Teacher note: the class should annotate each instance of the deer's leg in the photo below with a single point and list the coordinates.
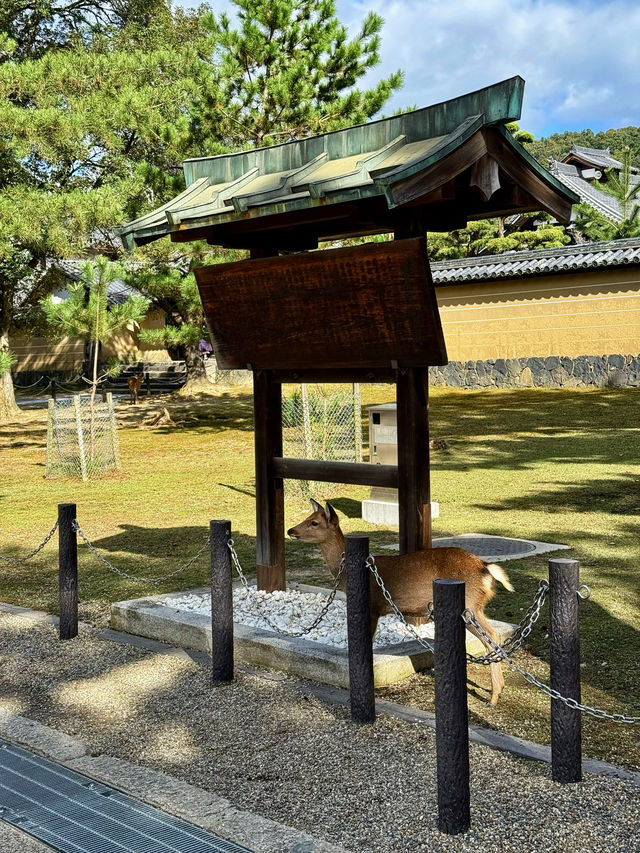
(497, 677)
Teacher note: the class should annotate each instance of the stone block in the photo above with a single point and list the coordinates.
(616, 361)
(526, 378)
(617, 378)
(551, 362)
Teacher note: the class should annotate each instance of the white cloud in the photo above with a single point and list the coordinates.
(580, 58)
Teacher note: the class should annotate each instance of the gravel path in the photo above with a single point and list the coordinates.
(286, 756)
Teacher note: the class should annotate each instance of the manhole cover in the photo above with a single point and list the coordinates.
(487, 546)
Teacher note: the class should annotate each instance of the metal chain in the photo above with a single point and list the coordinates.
(33, 553)
(270, 623)
(122, 574)
(469, 618)
(522, 631)
(371, 563)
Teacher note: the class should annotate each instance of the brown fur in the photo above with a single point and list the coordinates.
(135, 383)
(409, 577)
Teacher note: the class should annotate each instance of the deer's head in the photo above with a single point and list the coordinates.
(322, 524)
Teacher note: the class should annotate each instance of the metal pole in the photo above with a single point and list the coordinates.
(566, 732)
(67, 572)
(361, 692)
(221, 603)
(452, 716)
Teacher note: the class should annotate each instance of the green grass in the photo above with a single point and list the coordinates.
(554, 465)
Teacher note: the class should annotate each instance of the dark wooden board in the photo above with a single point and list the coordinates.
(364, 306)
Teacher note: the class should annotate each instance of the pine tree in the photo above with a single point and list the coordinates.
(86, 314)
(289, 70)
(89, 136)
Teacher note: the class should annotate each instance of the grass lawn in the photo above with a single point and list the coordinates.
(553, 465)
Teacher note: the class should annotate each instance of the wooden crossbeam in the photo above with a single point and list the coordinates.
(353, 473)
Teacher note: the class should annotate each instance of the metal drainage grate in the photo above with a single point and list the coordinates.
(487, 546)
(74, 814)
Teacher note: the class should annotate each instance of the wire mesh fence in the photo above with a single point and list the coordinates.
(321, 422)
(82, 438)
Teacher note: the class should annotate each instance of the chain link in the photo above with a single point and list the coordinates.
(122, 574)
(33, 553)
(521, 633)
(469, 618)
(252, 592)
(371, 563)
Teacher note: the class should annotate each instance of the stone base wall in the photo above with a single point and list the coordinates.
(595, 371)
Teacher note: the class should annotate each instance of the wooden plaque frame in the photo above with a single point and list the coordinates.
(368, 306)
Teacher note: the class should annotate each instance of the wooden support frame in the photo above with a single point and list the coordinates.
(267, 403)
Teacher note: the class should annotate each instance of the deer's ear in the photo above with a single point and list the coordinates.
(316, 506)
(331, 514)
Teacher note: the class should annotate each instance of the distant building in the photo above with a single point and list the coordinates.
(583, 169)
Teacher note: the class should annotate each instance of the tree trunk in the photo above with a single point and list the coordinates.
(197, 380)
(9, 410)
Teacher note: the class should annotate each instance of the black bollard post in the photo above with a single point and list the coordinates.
(53, 389)
(147, 383)
(221, 603)
(67, 572)
(361, 692)
(566, 731)
(452, 716)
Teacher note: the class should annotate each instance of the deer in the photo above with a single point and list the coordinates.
(135, 383)
(409, 578)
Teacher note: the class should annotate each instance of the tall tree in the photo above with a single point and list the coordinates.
(89, 136)
(37, 27)
(288, 70)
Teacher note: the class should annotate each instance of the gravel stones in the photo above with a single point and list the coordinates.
(268, 748)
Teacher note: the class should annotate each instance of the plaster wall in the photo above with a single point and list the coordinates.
(39, 354)
(568, 314)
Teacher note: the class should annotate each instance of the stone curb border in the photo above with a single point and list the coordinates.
(519, 747)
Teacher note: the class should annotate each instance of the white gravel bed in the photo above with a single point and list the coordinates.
(291, 611)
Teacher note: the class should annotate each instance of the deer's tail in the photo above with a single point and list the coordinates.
(500, 575)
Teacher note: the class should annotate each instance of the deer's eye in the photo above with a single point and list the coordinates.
(314, 523)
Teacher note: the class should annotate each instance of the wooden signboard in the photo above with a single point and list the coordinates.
(367, 306)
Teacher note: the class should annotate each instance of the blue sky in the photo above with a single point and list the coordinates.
(580, 58)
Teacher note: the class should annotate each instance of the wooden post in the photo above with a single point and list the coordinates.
(306, 430)
(361, 692)
(452, 715)
(566, 732)
(67, 572)
(78, 411)
(357, 421)
(267, 403)
(412, 397)
(414, 497)
(114, 432)
(51, 413)
(221, 603)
